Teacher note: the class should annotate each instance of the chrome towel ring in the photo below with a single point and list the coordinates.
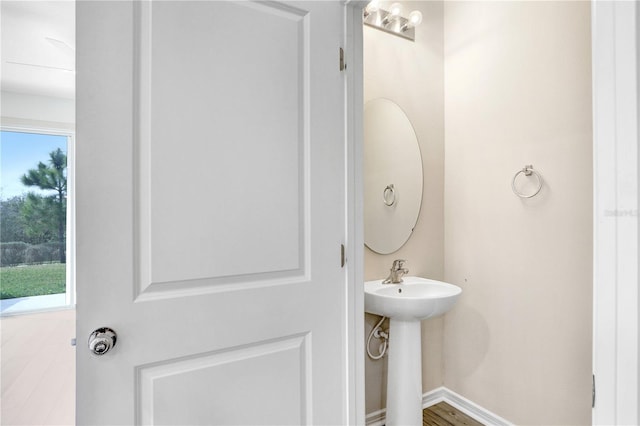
(527, 171)
(389, 195)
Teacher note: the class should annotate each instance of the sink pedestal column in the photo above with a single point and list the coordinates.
(404, 376)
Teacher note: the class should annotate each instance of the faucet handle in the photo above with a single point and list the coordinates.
(398, 264)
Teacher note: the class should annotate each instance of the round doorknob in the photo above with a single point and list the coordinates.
(102, 340)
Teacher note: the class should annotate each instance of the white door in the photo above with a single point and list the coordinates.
(210, 212)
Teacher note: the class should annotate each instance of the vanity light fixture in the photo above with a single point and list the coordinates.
(392, 21)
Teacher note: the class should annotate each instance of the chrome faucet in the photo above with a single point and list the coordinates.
(397, 271)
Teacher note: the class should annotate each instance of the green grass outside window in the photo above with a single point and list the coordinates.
(32, 280)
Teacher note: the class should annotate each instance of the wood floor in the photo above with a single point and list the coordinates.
(442, 414)
(37, 370)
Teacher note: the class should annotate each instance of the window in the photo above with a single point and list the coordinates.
(36, 244)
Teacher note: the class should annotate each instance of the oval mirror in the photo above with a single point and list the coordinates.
(392, 176)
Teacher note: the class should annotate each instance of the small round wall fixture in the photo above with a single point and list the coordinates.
(393, 176)
(527, 171)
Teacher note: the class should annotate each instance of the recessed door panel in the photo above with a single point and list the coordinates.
(222, 140)
(263, 383)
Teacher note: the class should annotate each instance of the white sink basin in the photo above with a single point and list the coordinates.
(414, 299)
(406, 304)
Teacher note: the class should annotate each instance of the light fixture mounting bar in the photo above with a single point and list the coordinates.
(399, 26)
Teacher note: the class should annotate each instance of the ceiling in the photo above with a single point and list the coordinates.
(38, 47)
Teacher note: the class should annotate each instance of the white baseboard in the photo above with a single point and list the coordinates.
(376, 418)
(471, 409)
(468, 407)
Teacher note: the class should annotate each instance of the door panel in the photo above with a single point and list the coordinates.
(244, 378)
(211, 212)
(222, 211)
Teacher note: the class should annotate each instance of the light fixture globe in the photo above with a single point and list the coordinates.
(395, 10)
(415, 18)
(373, 6)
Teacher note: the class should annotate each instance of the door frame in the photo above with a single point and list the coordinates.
(616, 362)
(354, 101)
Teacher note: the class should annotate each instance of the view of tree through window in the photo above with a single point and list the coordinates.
(33, 214)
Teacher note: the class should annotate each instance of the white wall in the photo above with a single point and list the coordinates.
(518, 91)
(20, 108)
(411, 75)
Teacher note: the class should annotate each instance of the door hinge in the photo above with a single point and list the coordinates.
(343, 259)
(593, 390)
(343, 65)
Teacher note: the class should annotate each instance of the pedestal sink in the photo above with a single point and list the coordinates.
(406, 304)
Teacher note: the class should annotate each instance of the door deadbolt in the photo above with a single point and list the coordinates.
(102, 340)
